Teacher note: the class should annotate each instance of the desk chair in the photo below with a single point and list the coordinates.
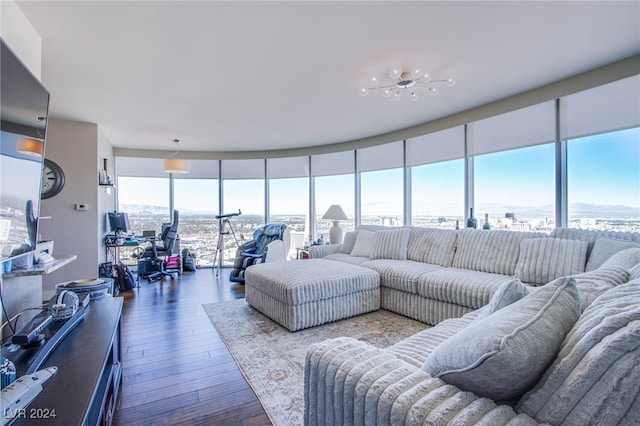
(159, 250)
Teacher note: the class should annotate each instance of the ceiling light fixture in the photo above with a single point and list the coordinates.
(176, 165)
(401, 80)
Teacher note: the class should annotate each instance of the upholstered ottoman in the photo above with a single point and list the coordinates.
(299, 294)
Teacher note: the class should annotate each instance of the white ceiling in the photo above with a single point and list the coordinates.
(248, 76)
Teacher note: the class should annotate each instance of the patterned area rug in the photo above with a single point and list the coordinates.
(271, 357)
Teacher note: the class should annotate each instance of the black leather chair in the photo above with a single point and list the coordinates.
(156, 254)
(270, 243)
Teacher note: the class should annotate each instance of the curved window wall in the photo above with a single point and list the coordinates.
(568, 162)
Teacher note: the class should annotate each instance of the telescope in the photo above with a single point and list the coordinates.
(222, 216)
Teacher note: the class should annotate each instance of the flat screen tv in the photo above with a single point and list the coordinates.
(24, 105)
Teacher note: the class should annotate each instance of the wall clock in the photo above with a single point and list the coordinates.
(52, 179)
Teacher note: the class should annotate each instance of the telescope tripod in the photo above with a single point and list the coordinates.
(225, 229)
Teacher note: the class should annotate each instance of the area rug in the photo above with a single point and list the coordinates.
(271, 357)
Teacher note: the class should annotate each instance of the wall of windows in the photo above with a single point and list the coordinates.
(558, 163)
(382, 198)
(603, 173)
(437, 194)
(197, 202)
(516, 189)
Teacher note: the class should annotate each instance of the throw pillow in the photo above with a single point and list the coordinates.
(594, 379)
(363, 244)
(604, 248)
(505, 295)
(391, 244)
(627, 258)
(544, 259)
(594, 283)
(348, 242)
(505, 354)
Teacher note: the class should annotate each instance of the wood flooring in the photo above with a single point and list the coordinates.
(176, 369)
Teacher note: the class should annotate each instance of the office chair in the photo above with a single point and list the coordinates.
(158, 253)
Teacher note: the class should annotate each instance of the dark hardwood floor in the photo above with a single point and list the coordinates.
(177, 370)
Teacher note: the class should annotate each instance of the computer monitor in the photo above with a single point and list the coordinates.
(119, 222)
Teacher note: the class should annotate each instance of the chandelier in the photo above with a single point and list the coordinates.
(407, 82)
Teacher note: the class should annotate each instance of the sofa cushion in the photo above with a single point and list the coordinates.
(400, 274)
(363, 244)
(494, 251)
(416, 348)
(600, 355)
(627, 258)
(634, 272)
(591, 235)
(430, 245)
(507, 293)
(348, 242)
(505, 354)
(461, 287)
(594, 283)
(390, 244)
(347, 258)
(604, 248)
(543, 260)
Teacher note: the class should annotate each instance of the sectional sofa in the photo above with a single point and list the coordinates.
(433, 274)
(531, 328)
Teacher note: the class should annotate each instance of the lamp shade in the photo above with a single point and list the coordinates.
(32, 147)
(335, 212)
(176, 165)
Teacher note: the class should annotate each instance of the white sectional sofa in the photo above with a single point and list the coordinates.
(531, 328)
(434, 274)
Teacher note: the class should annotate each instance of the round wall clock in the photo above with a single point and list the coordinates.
(52, 179)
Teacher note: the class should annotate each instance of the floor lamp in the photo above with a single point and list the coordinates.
(336, 214)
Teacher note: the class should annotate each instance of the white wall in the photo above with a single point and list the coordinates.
(20, 36)
(74, 147)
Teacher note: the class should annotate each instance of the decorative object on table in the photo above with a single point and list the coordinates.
(457, 224)
(336, 214)
(471, 221)
(7, 372)
(176, 165)
(400, 80)
(486, 222)
(52, 179)
(63, 305)
(96, 287)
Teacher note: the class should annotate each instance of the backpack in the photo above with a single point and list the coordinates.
(188, 260)
(124, 280)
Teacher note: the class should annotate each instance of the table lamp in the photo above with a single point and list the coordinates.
(336, 214)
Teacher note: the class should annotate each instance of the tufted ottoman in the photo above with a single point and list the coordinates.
(299, 294)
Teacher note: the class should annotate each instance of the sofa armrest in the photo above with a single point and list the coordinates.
(347, 381)
(322, 251)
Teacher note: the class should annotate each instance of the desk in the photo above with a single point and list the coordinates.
(112, 250)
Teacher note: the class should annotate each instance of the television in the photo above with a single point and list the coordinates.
(119, 222)
(24, 106)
